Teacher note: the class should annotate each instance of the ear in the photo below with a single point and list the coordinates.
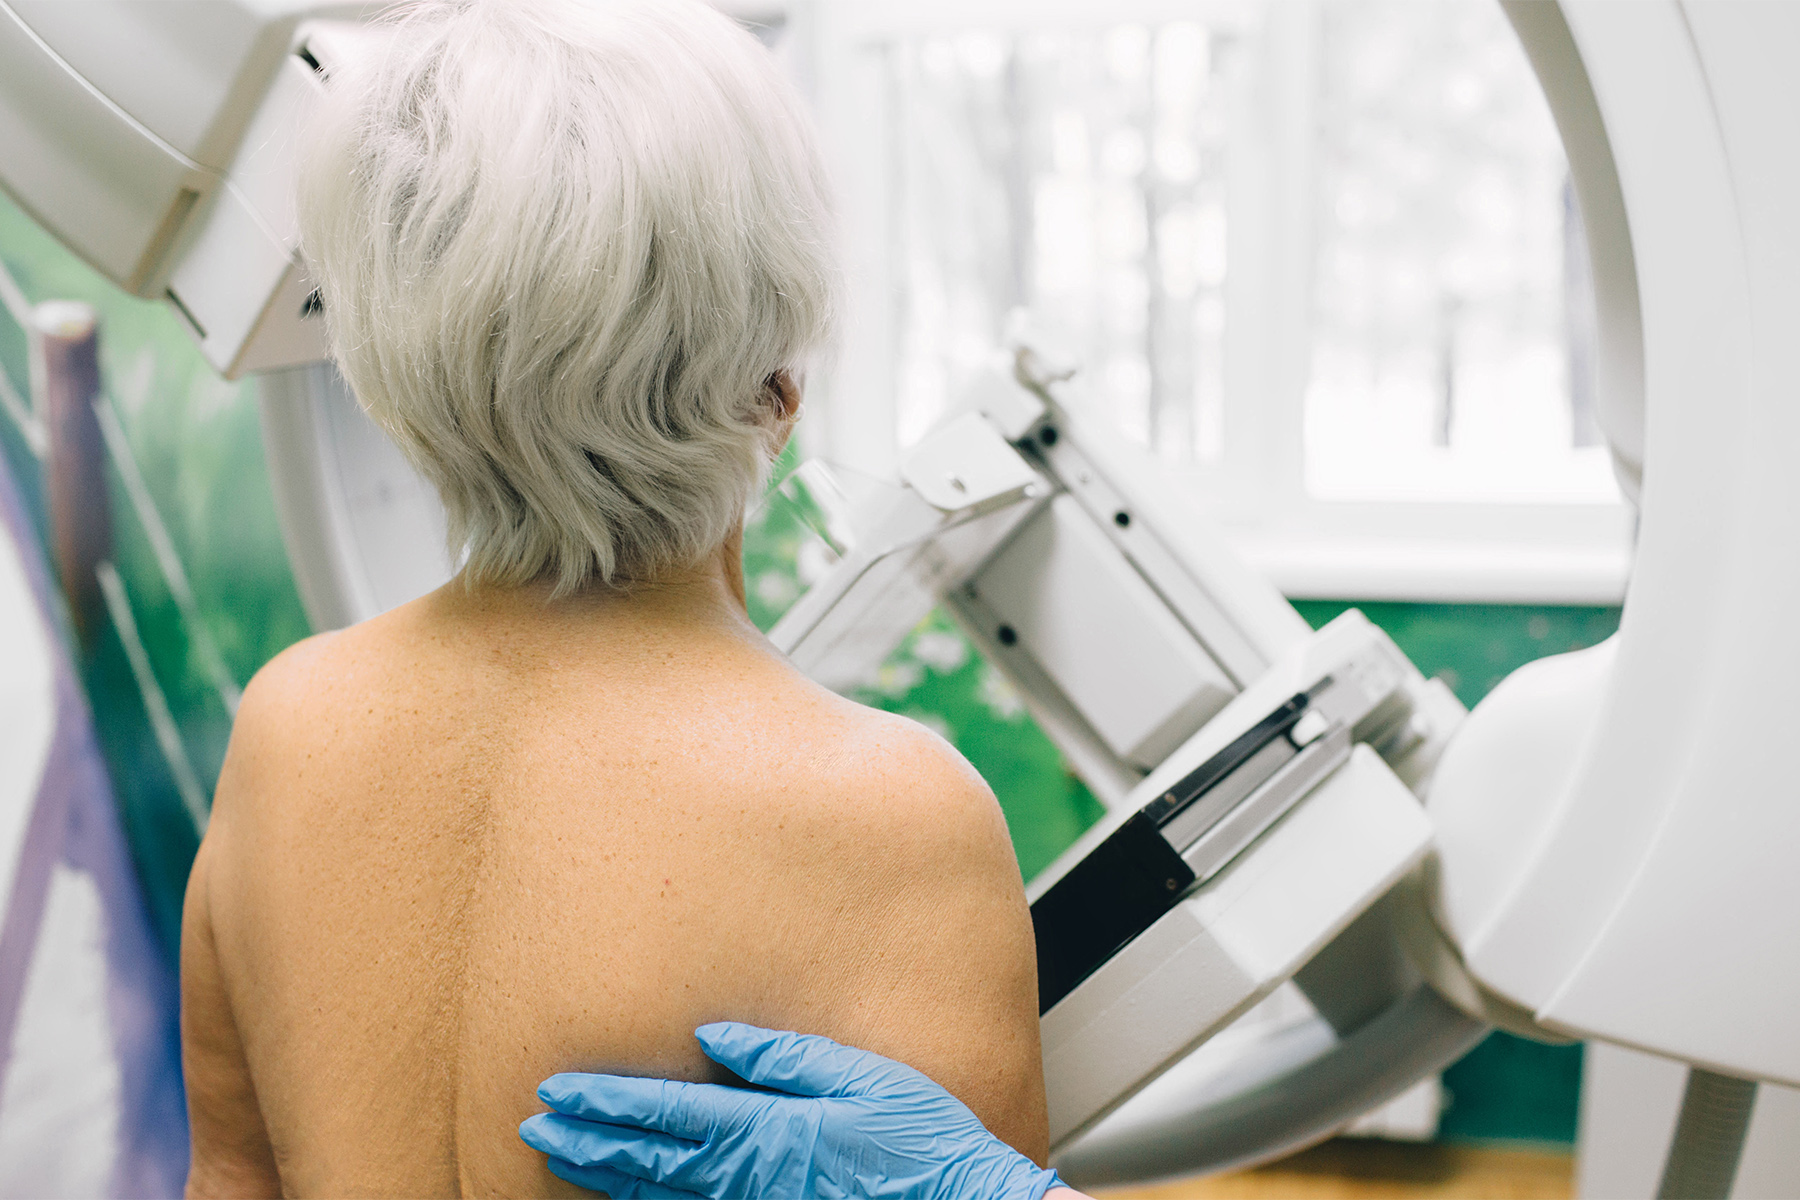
(784, 396)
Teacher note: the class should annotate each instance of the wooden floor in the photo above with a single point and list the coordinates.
(1367, 1169)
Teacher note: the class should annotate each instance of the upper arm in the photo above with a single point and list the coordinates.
(949, 967)
(232, 1155)
(232, 1152)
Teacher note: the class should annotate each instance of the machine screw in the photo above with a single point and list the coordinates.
(1122, 519)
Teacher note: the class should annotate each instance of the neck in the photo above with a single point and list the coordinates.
(708, 592)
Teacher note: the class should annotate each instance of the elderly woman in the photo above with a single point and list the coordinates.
(572, 805)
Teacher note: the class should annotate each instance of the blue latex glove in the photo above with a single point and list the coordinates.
(850, 1123)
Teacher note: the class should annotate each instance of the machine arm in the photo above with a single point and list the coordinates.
(1259, 778)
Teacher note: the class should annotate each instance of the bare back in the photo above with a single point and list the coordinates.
(484, 839)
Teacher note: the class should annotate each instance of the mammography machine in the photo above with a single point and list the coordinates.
(1600, 851)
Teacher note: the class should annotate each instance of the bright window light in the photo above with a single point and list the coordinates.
(1452, 324)
(1321, 257)
(1082, 176)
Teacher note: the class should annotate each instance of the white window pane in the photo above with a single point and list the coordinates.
(1452, 319)
(1081, 176)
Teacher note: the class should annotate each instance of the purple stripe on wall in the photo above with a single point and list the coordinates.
(42, 845)
(75, 821)
(40, 851)
(142, 997)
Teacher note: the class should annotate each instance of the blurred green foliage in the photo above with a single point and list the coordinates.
(1472, 647)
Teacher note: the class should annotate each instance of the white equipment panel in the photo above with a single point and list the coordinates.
(1099, 631)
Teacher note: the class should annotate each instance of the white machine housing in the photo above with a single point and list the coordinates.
(155, 140)
(1640, 891)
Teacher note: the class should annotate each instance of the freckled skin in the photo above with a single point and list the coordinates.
(487, 837)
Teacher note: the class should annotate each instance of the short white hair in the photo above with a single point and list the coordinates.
(563, 246)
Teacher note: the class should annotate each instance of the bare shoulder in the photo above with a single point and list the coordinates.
(309, 697)
(890, 779)
(322, 670)
(288, 681)
(273, 717)
(911, 763)
(935, 932)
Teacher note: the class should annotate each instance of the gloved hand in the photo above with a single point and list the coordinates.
(851, 1124)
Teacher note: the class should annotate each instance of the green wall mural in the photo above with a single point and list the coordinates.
(191, 504)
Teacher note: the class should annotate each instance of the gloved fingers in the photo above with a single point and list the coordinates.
(589, 1143)
(686, 1110)
(801, 1064)
(673, 1161)
(617, 1184)
(543, 1134)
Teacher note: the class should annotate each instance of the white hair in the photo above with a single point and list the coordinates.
(563, 247)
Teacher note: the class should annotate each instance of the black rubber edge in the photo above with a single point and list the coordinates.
(1206, 776)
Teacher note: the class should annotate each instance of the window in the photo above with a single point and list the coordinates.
(1081, 177)
(1322, 259)
(1452, 331)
